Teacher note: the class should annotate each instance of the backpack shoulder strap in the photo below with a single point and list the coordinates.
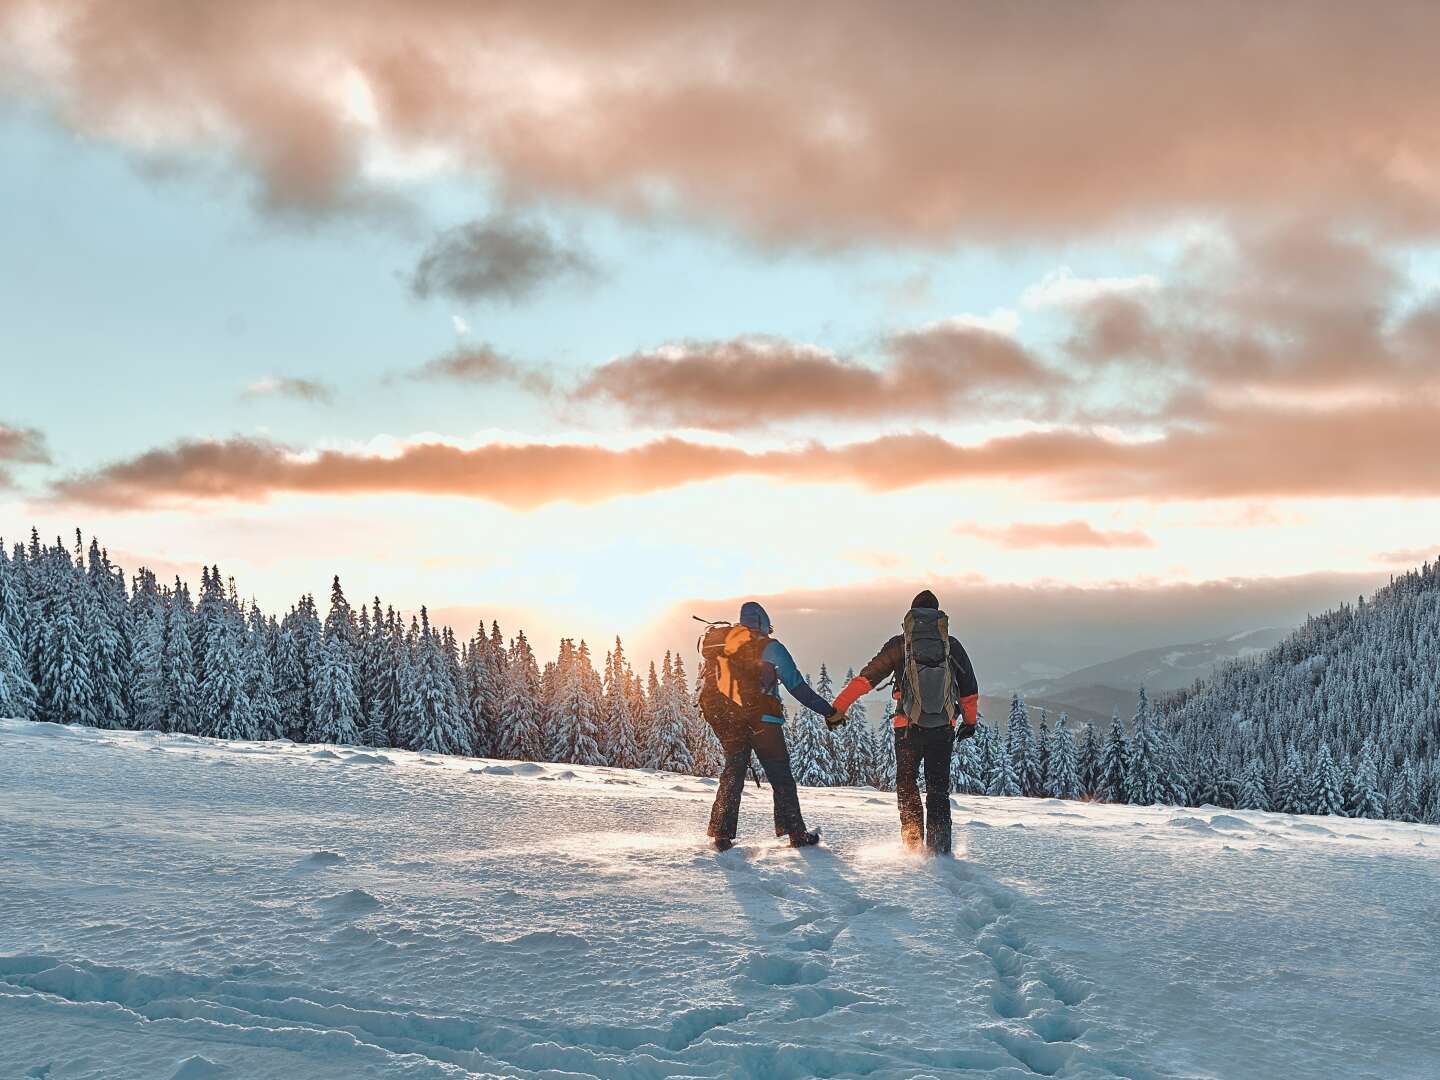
(942, 625)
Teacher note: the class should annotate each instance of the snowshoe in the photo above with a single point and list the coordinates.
(804, 839)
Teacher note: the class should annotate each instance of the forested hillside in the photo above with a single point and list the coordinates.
(1342, 717)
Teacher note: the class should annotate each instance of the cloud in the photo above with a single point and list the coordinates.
(20, 446)
(460, 326)
(23, 445)
(1004, 119)
(1064, 534)
(481, 365)
(499, 258)
(1382, 450)
(282, 386)
(1408, 557)
(752, 382)
(1291, 314)
(1062, 289)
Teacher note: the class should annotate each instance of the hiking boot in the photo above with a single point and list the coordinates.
(721, 843)
(804, 839)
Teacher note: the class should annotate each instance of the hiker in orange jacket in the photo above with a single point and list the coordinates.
(937, 703)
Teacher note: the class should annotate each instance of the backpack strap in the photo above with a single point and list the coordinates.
(943, 625)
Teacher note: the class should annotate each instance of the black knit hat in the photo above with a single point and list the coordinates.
(925, 599)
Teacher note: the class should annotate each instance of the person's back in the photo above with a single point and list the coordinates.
(740, 700)
(937, 699)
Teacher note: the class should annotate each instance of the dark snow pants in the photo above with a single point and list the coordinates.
(768, 742)
(931, 747)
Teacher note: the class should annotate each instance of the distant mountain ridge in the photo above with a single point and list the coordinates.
(1093, 693)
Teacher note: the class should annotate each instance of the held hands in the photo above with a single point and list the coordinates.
(836, 720)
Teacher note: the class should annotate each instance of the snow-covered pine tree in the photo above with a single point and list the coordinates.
(581, 711)
(66, 693)
(706, 756)
(18, 699)
(620, 727)
(669, 748)
(259, 675)
(884, 751)
(1115, 764)
(433, 720)
(290, 689)
(1088, 762)
(1327, 794)
(181, 688)
(1042, 744)
(474, 677)
(1024, 755)
(340, 621)
(1145, 780)
(521, 731)
(1251, 794)
(1364, 799)
(1292, 794)
(808, 754)
(336, 705)
(965, 770)
(1062, 776)
(225, 711)
(1004, 781)
(1403, 802)
(107, 613)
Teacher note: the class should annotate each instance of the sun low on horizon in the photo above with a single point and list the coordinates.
(588, 318)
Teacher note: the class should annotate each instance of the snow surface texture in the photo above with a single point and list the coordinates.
(177, 907)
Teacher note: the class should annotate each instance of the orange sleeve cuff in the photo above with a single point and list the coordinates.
(970, 709)
(854, 690)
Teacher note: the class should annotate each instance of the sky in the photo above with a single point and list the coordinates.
(1114, 324)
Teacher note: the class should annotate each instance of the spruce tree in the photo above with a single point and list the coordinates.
(1292, 793)
(66, 693)
(1326, 792)
(623, 746)
(181, 687)
(225, 711)
(433, 719)
(1004, 781)
(965, 772)
(885, 750)
(1089, 762)
(259, 676)
(18, 699)
(291, 691)
(1251, 795)
(670, 752)
(1024, 754)
(336, 716)
(1115, 764)
(1062, 777)
(1365, 799)
(520, 713)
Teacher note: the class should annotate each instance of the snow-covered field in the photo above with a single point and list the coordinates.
(177, 907)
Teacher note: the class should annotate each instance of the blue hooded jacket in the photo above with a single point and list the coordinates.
(777, 666)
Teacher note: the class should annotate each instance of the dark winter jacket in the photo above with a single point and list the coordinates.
(890, 660)
(777, 666)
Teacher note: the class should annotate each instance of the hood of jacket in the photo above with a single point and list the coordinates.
(755, 617)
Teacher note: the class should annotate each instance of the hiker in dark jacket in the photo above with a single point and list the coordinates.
(937, 703)
(740, 699)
